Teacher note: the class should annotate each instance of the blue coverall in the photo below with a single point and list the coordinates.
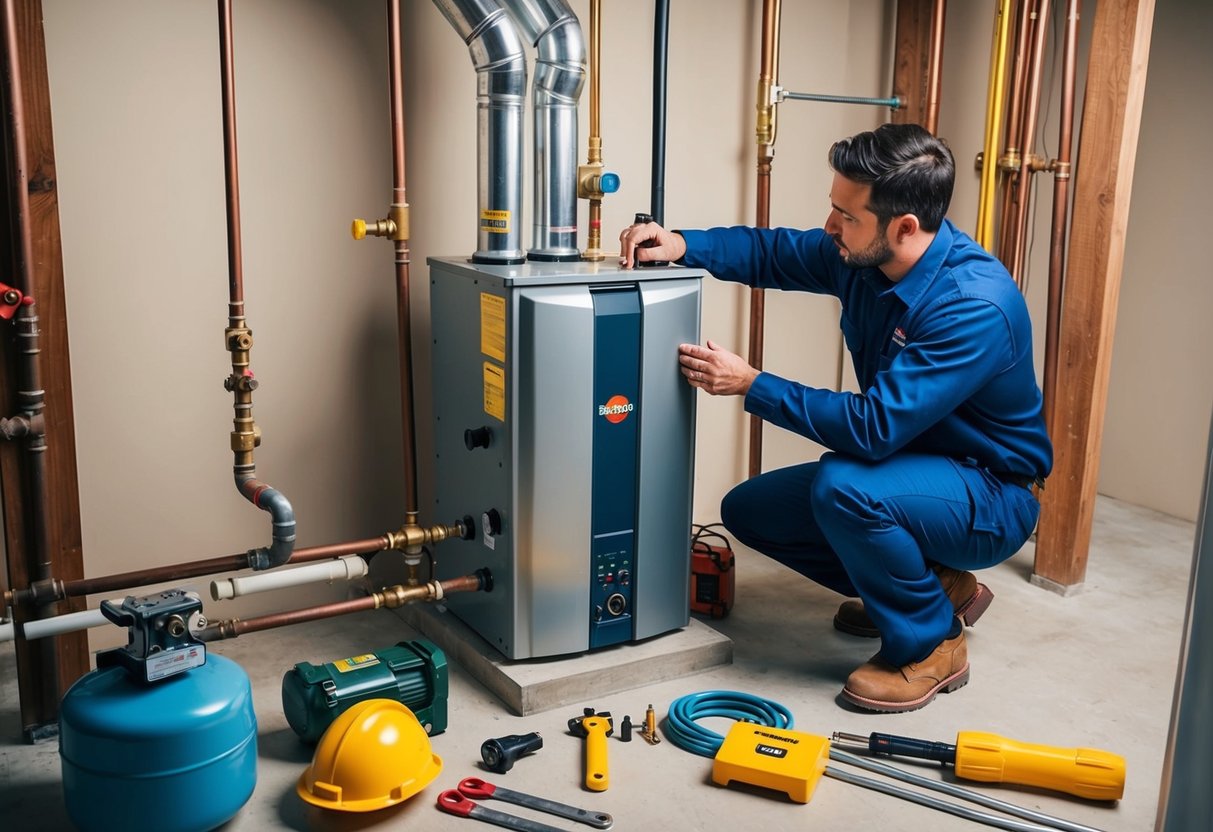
(929, 464)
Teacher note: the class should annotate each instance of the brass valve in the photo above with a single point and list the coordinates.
(395, 226)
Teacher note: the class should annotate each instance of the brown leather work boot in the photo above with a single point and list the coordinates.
(878, 686)
(969, 598)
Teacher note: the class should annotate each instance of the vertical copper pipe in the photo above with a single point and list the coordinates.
(1023, 184)
(1011, 158)
(1061, 208)
(935, 65)
(768, 77)
(231, 163)
(403, 312)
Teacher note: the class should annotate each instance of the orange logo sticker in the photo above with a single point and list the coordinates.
(616, 409)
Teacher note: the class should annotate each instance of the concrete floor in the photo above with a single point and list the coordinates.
(1096, 669)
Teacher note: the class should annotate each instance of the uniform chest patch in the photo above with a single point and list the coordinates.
(899, 337)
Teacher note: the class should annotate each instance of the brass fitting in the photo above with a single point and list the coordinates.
(1036, 164)
(589, 181)
(395, 226)
(1061, 170)
(765, 129)
(413, 535)
(1010, 161)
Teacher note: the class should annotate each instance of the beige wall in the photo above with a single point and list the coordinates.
(135, 100)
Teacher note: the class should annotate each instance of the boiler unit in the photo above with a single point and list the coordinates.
(562, 422)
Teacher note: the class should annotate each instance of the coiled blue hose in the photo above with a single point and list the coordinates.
(688, 735)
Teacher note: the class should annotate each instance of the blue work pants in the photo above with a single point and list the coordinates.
(874, 529)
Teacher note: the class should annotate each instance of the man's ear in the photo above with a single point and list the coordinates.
(905, 226)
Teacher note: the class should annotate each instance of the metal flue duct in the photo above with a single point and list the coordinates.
(555, 32)
(497, 55)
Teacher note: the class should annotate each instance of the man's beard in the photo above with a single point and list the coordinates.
(873, 256)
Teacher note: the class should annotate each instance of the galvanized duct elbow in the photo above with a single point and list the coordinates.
(281, 515)
(555, 32)
(500, 64)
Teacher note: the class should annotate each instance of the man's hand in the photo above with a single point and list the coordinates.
(715, 369)
(670, 245)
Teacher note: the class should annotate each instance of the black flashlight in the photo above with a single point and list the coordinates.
(499, 754)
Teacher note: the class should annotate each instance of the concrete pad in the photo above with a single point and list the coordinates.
(534, 685)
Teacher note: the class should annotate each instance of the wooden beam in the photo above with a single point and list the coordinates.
(45, 670)
(912, 57)
(1111, 122)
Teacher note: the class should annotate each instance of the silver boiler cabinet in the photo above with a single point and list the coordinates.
(562, 425)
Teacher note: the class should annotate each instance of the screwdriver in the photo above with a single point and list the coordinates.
(989, 758)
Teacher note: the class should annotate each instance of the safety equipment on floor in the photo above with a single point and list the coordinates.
(374, 755)
(413, 673)
(713, 576)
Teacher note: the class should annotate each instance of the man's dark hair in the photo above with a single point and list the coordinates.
(910, 171)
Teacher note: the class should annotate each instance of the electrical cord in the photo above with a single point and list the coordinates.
(683, 730)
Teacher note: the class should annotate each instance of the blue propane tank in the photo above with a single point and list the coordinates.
(179, 755)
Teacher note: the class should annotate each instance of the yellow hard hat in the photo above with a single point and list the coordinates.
(374, 755)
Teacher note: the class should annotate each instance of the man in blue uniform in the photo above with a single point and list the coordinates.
(931, 466)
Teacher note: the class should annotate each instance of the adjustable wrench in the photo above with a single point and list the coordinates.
(456, 804)
(475, 787)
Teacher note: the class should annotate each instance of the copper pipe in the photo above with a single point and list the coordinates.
(935, 65)
(404, 320)
(53, 590)
(1023, 184)
(1011, 159)
(588, 176)
(391, 597)
(1061, 209)
(231, 163)
(768, 79)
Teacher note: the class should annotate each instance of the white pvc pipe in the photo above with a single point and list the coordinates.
(7, 633)
(349, 568)
(67, 623)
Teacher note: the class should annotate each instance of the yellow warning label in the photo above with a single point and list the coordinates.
(356, 662)
(492, 326)
(495, 222)
(494, 391)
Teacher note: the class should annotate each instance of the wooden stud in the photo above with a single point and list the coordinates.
(1111, 122)
(67, 657)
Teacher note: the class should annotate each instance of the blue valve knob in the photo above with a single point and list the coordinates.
(609, 183)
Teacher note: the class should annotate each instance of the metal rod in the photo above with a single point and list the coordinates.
(933, 802)
(892, 103)
(957, 791)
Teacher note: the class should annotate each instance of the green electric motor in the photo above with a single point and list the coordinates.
(411, 672)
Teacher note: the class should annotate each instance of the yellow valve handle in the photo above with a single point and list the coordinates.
(358, 229)
(1085, 772)
(596, 778)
